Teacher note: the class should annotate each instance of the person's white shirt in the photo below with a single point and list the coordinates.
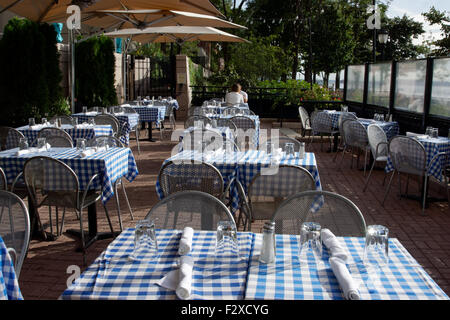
(245, 95)
(234, 98)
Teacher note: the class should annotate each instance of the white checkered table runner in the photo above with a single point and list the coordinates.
(289, 279)
(9, 285)
(87, 132)
(433, 146)
(114, 276)
(111, 165)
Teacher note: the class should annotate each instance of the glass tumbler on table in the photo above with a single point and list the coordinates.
(31, 122)
(81, 144)
(226, 240)
(44, 120)
(85, 110)
(289, 149)
(23, 144)
(41, 143)
(376, 249)
(310, 243)
(145, 243)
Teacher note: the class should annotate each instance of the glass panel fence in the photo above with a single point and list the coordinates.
(355, 83)
(379, 85)
(440, 94)
(410, 86)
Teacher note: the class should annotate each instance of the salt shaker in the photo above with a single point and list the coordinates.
(268, 246)
(301, 151)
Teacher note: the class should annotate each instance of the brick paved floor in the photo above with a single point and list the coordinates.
(427, 238)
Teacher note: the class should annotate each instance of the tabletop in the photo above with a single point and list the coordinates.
(111, 165)
(114, 276)
(9, 285)
(391, 129)
(335, 115)
(151, 114)
(86, 131)
(289, 279)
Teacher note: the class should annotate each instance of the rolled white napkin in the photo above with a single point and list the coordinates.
(87, 152)
(331, 242)
(186, 241)
(36, 127)
(22, 152)
(83, 126)
(179, 280)
(346, 281)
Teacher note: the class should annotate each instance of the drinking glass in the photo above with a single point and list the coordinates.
(31, 122)
(376, 249)
(41, 143)
(74, 121)
(44, 120)
(226, 239)
(145, 243)
(435, 133)
(105, 110)
(310, 243)
(289, 147)
(214, 123)
(344, 108)
(95, 109)
(429, 131)
(23, 144)
(92, 121)
(81, 144)
(85, 110)
(270, 147)
(301, 151)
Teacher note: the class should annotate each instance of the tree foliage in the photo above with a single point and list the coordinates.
(441, 18)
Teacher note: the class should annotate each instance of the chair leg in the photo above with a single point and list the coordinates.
(425, 182)
(108, 218)
(83, 243)
(50, 219)
(388, 187)
(118, 206)
(368, 177)
(342, 158)
(400, 185)
(126, 199)
(62, 220)
(137, 139)
(365, 162)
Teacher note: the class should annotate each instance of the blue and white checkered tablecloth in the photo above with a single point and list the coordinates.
(255, 135)
(111, 165)
(391, 129)
(113, 276)
(127, 121)
(335, 115)
(150, 114)
(289, 279)
(9, 285)
(254, 161)
(87, 132)
(433, 146)
(217, 110)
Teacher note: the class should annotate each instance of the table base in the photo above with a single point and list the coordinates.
(90, 239)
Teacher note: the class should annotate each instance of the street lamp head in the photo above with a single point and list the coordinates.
(383, 37)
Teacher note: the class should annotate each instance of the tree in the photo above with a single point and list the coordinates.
(441, 18)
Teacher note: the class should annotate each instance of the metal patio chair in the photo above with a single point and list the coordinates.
(108, 119)
(342, 118)
(193, 120)
(321, 124)
(10, 138)
(355, 135)
(281, 142)
(305, 120)
(379, 147)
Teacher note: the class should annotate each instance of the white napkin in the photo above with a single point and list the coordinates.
(186, 241)
(87, 152)
(331, 242)
(346, 282)
(22, 152)
(83, 126)
(33, 150)
(179, 280)
(36, 127)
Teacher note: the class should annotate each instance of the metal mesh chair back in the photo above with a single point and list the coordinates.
(195, 111)
(322, 122)
(232, 143)
(344, 116)
(281, 143)
(128, 109)
(194, 140)
(408, 155)
(195, 121)
(230, 111)
(336, 213)
(101, 141)
(243, 122)
(355, 134)
(183, 176)
(304, 118)
(118, 109)
(108, 119)
(10, 138)
(64, 119)
(313, 115)
(59, 142)
(195, 209)
(3, 182)
(267, 191)
(225, 122)
(14, 227)
(376, 135)
(157, 103)
(51, 182)
(53, 132)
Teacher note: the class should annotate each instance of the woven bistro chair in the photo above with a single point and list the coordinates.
(49, 133)
(344, 116)
(444, 158)
(195, 111)
(10, 138)
(108, 119)
(281, 142)
(355, 135)
(195, 209)
(379, 147)
(193, 120)
(194, 140)
(267, 191)
(305, 121)
(59, 142)
(230, 111)
(244, 207)
(244, 123)
(408, 156)
(113, 142)
(337, 213)
(50, 182)
(225, 122)
(135, 129)
(321, 124)
(14, 227)
(64, 119)
(3, 181)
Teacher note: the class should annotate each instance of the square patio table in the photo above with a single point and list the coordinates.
(289, 279)
(151, 114)
(113, 276)
(391, 129)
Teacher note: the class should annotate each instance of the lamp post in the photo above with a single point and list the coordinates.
(382, 39)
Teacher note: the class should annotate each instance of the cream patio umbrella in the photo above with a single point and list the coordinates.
(55, 10)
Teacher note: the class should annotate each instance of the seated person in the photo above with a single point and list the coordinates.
(234, 97)
(244, 94)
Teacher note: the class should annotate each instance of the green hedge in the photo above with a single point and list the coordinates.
(94, 72)
(30, 75)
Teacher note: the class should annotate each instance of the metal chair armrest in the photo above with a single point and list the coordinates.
(440, 154)
(83, 198)
(378, 145)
